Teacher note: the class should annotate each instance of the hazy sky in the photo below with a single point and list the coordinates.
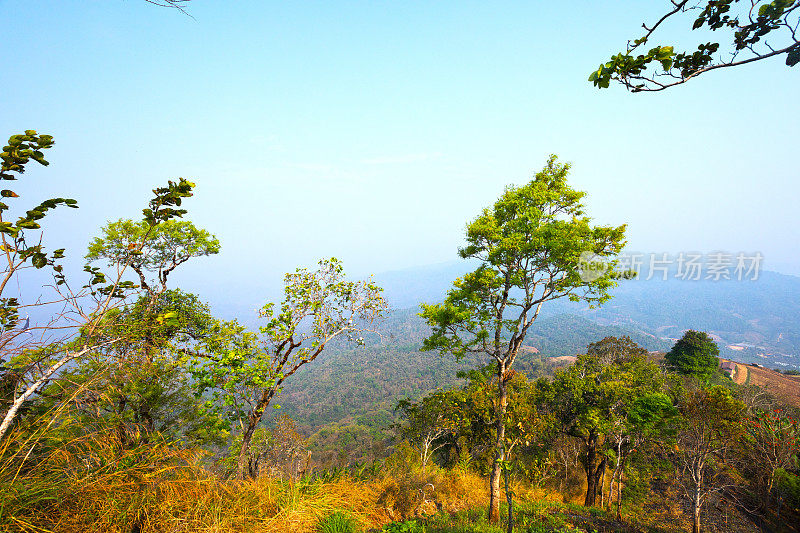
(373, 131)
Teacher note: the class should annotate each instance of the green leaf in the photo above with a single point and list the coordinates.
(793, 57)
(39, 260)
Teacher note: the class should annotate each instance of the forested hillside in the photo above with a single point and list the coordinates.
(353, 382)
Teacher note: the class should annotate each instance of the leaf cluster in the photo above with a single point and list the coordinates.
(751, 23)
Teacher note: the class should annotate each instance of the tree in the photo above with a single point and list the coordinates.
(772, 443)
(429, 421)
(246, 371)
(712, 424)
(30, 365)
(278, 452)
(152, 253)
(530, 245)
(750, 23)
(597, 401)
(19, 248)
(141, 386)
(145, 378)
(694, 354)
(650, 420)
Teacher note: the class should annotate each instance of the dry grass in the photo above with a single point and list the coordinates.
(93, 485)
(786, 388)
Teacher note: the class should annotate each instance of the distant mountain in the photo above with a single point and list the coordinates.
(751, 320)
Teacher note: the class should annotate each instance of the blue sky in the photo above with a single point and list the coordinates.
(373, 131)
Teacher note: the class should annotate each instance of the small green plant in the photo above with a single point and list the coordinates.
(338, 522)
(409, 526)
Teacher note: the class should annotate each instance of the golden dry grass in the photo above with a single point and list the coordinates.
(786, 388)
(92, 485)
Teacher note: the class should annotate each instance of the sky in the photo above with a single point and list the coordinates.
(374, 131)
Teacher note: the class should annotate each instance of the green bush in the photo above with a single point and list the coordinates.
(338, 522)
(409, 526)
(787, 485)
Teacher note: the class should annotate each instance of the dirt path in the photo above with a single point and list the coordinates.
(740, 376)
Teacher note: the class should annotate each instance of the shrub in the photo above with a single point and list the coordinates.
(338, 522)
(409, 526)
(787, 485)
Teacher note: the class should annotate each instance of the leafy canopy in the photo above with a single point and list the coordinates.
(530, 244)
(600, 395)
(695, 354)
(152, 249)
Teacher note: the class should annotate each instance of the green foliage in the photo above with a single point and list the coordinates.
(135, 244)
(89, 323)
(16, 249)
(751, 24)
(429, 422)
(141, 386)
(612, 399)
(162, 207)
(711, 427)
(246, 371)
(787, 486)
(530, 245)
(407, 526)
(338, 522)
(594, 396)
(694, 354)
(151, 249)
(460, 422)
(318, 306)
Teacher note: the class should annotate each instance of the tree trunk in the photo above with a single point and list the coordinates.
(33, 387)
(696, 511)
(602, 489)
(599, 475)
(426, 446)
(614, 474)
(499, 449)
(591, 478)
(770, 482)
(253, 420)
(621, 469)
(509, 501)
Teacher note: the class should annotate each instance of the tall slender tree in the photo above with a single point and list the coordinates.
(531, 245)
(712, 425)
